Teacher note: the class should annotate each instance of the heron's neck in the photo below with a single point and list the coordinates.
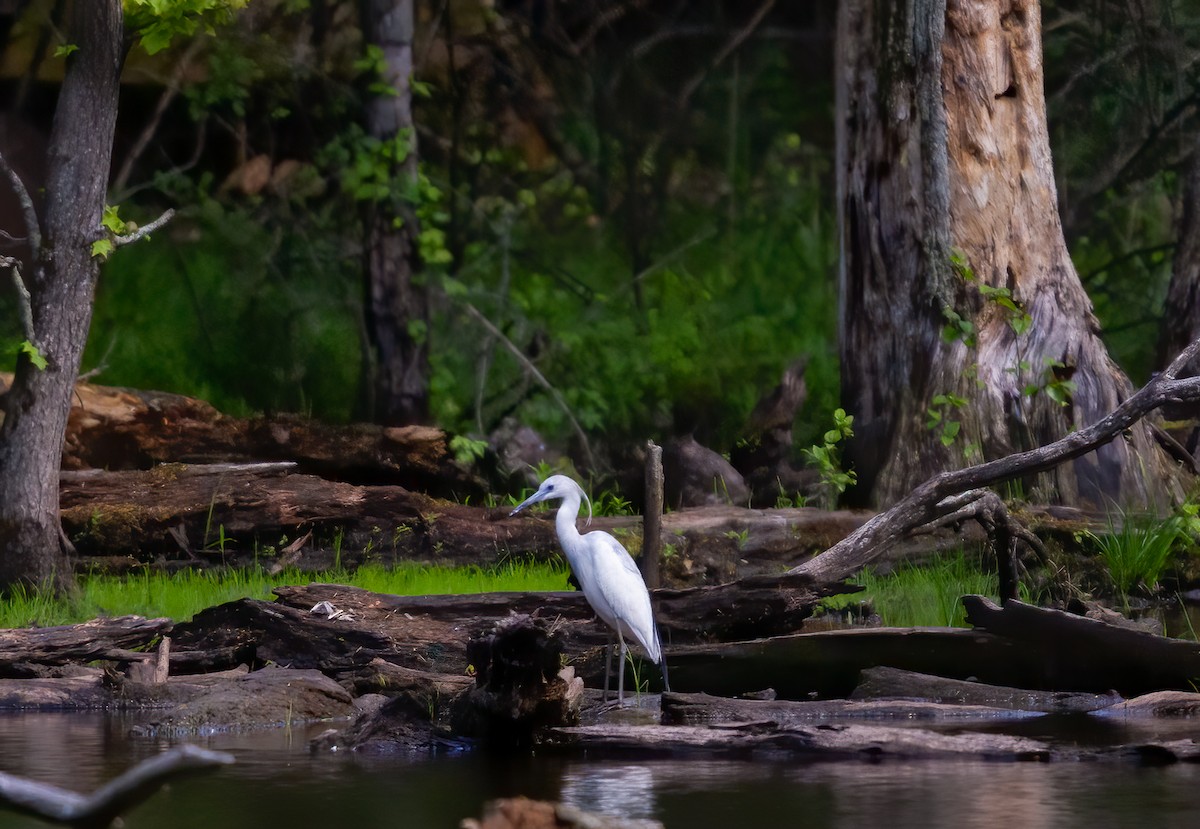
(564, 522)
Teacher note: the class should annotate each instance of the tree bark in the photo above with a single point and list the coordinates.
(62, 288)
(1181, 316)
(397, 306)
(947, 211)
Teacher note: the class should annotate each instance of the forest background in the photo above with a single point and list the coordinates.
(638, 196)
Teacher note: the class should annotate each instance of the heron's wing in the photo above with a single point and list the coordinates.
(621, 591)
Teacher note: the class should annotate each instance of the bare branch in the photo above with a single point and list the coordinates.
(948, 491)
(104, 806)
(729, 48)
(32, 227)
(537, 375)
(169, 93)
(24, 300)
(145, 230)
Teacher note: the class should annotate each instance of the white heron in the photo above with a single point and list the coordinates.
(607, 575)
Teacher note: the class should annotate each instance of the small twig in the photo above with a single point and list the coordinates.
(32, 228)
(537, 375)
(145, 230)
(24, 300)
(169, 93)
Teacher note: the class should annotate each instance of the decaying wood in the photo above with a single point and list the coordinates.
(429, 633)
(892, 683)
(103, 638)
(1087, 654)
(103, 807)
(841, 741)
(943, 494)
(1156, 705)
(122, 429)
(703, 709)
(240, 515)
(521, 687)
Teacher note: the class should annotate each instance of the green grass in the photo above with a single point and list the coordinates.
(182, 595)
(1137, 552)
(926, 595)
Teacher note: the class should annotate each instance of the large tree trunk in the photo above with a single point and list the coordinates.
(946, 195)
(62, 286)
(397, 310)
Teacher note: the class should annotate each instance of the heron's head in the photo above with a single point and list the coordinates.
(556, 486)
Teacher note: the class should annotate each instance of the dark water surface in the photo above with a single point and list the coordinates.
(278, 783)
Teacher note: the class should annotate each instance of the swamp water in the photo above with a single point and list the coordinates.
(276, 782)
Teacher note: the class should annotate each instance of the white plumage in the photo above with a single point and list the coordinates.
(606, 573)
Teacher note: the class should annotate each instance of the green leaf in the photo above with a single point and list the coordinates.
(65, 49)
(102, 248)
(112, 221)
(35, 356)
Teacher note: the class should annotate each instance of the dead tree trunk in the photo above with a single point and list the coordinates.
(61, 289)
(965, 332)
(397, 311)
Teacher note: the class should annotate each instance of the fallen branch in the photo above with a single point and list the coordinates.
(104, 806)
(926, 503)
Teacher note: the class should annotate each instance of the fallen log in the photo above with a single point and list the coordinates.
(237, 514)
(704, 709)
(429, 633)
(104, 638)
(124, 429)
(1088, 654)
(892, 683)
(811, 742)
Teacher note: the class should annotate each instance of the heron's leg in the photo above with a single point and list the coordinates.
(663, 665)
(608, 663)
(621, 672)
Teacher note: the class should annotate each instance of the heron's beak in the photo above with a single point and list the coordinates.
(532, 499)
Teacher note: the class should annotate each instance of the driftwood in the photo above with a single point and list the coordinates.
(950, 493)
(841, 741)
(103, 807)
(105, 638)
(1087, 654)
(121, 429)
(892, 683)
(702, 709)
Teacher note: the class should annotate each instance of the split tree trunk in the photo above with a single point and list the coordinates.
(62, 285)
(397, 311)
(946, 195)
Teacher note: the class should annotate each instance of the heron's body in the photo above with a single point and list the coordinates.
(606, 573)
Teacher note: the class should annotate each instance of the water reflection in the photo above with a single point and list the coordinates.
(278, 783)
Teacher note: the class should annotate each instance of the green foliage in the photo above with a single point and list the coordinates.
(467, 450)
(1136, 549)
(65, 50)
(29, 349)
(928, 594)
(158, 22)
(1053, 382)
(938, 417)
(826, 457)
